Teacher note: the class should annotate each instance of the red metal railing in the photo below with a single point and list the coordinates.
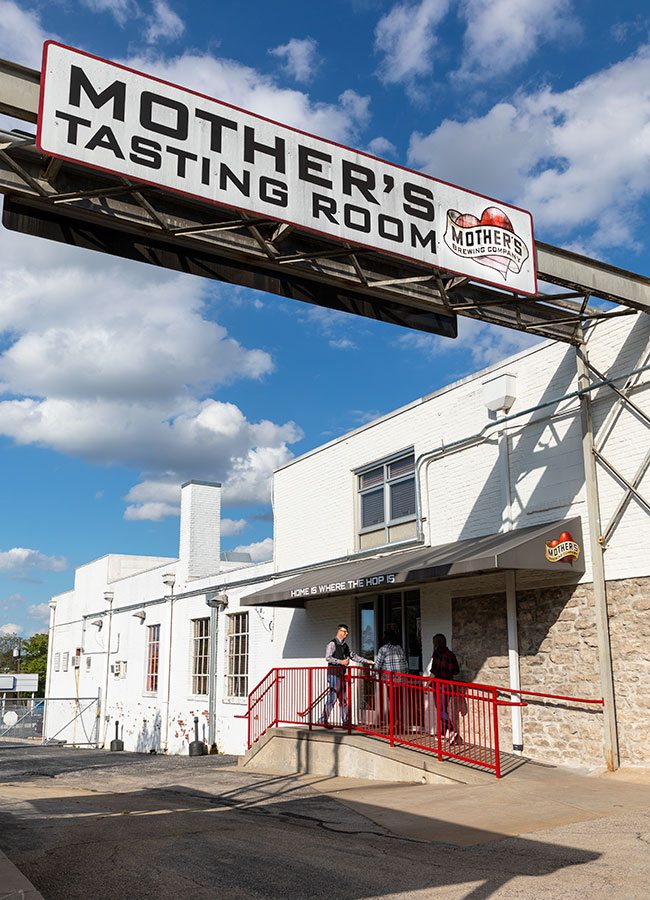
(451, 719)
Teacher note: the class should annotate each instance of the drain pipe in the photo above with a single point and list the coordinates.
(217, 603)
(169, 579)
(498, 395)
(480, 437)
(108, 597)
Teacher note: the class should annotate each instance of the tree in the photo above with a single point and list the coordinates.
(7, 644)
(34, 659)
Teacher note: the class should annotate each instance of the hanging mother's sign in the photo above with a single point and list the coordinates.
(112, 118)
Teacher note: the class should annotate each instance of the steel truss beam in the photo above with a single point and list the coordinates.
(632, 486)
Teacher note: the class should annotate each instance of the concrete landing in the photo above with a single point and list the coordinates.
(534, 798)
(298, 751)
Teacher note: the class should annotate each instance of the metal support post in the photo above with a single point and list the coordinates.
(610, 733)
(513, 659)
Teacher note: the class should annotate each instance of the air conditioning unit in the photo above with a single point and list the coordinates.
(116, 669)
(76, 662)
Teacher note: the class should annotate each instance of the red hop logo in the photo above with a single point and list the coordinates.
(564, 549)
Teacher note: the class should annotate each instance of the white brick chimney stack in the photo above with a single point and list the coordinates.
(200, 541)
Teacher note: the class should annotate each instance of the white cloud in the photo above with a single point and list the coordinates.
(124, 374)
(40, 612)
(123, 11)
(25, 558)
(21, 34)
(480, 344)
(343, 344)
(164, 23)
(406, 36)
(229, 80)
(11, 628)
(501, 34)
(152, 512)
(578, 159)
(381, 146)
(260, 551)
(300, 57)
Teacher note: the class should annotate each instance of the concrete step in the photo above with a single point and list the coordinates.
(290, 751)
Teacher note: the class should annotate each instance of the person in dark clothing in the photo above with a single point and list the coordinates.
(338, 656)
(444, 665)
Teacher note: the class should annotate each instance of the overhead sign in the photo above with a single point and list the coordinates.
(112, 118)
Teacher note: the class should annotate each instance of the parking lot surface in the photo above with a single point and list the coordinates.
(81, 823)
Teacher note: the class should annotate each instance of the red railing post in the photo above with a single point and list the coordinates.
(277, 698)
(248, 723)
(438, 719)
(495, 714)
(310, 695)
(348, 690)
(391, 717)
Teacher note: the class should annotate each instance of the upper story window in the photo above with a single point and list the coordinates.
(57, 662)
(153, 657)
(386, 493)
(66, 658)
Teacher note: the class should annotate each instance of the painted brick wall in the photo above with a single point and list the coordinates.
(315, 497)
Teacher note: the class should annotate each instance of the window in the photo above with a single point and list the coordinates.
(57, 662)
(66, 657)
(89, 661)
(237, 656)
(153, 656)
(200, 655)
(387, 501)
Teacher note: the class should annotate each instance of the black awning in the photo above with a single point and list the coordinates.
(552, 547)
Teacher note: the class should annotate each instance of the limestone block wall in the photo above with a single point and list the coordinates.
(558, 655)
(629, 623)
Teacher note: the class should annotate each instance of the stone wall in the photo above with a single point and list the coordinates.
(629, 623)
(558, 655)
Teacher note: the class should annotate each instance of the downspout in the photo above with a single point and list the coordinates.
(500, 394)
(216, 602)
(610, 731)
(170, 582)
(108, 597)
(511, 595)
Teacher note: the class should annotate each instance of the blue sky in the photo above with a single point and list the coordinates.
(118, 382)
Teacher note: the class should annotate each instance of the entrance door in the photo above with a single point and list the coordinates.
(399, 611)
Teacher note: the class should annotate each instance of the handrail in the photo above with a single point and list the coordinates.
(599, 701)
(313, 704)
(454, 720)
(264, 693)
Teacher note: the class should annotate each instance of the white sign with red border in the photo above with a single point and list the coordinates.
(111, 118)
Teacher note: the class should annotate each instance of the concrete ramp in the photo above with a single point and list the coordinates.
(291, 751)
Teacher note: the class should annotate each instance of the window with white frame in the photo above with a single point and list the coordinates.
(200, 655)
(66, 658)
(386, 492)
(237, 656)
(57, 662)
(153, 657)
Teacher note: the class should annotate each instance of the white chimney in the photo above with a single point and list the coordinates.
(200, 543)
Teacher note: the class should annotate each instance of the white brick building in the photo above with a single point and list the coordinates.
(441, 470)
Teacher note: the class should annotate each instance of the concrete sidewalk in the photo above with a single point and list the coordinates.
(13, 884)
(533, 798)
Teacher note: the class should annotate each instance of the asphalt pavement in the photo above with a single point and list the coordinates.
(81, 824)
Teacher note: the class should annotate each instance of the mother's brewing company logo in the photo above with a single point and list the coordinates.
(490, 241)
(564, 548)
